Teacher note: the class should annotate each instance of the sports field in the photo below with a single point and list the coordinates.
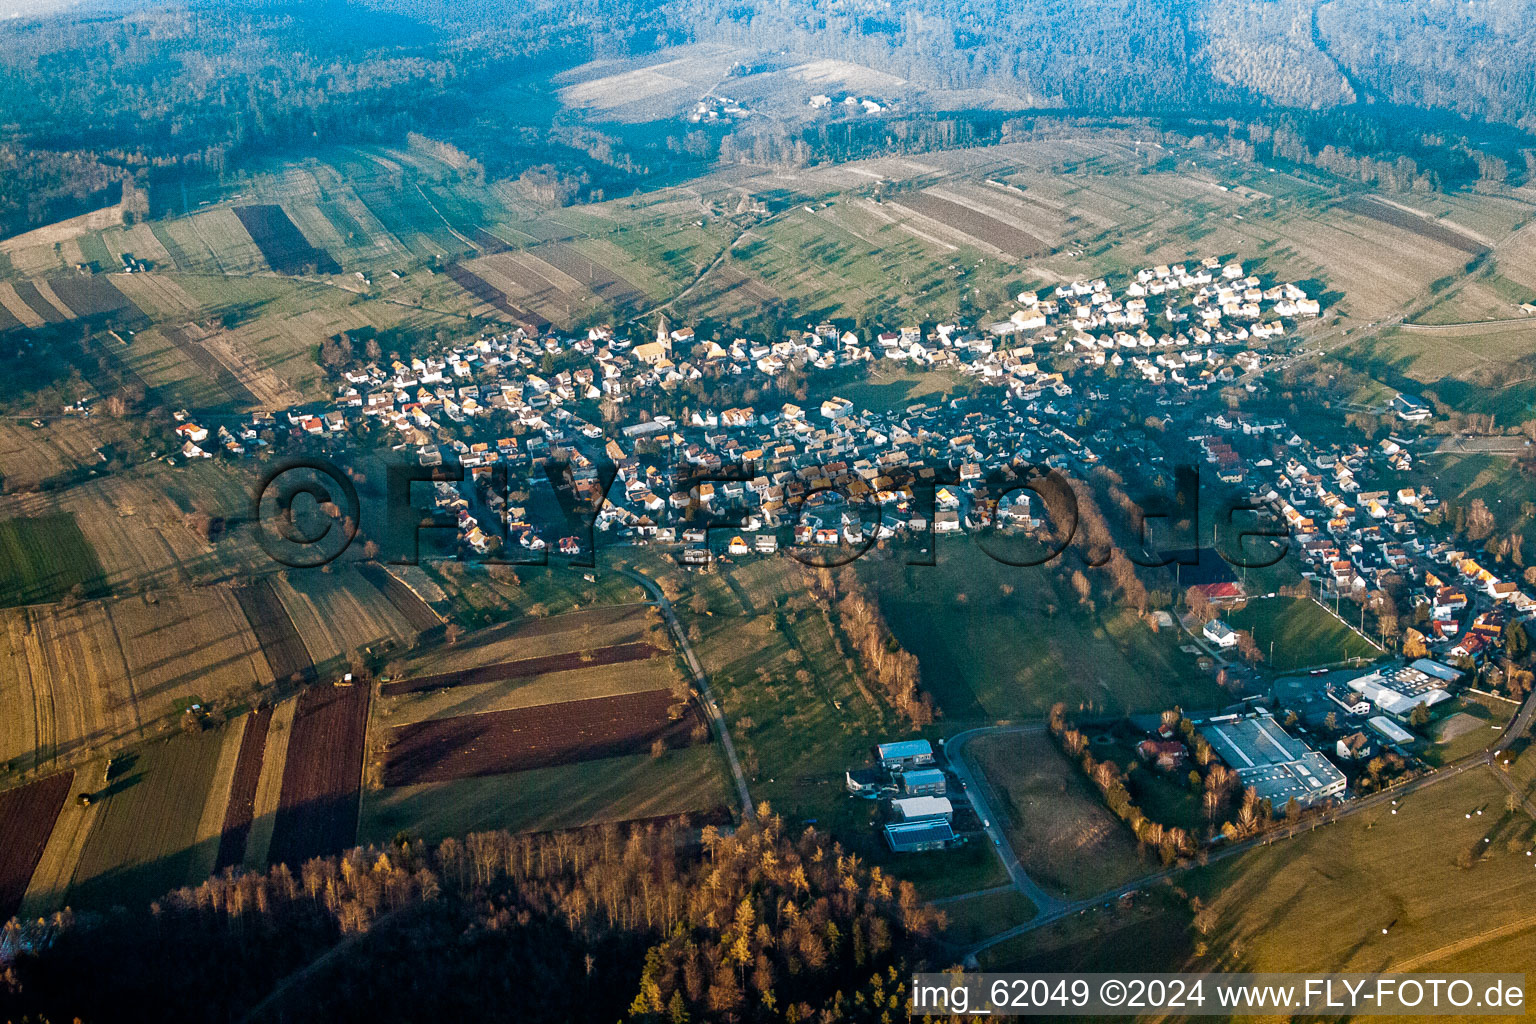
(1295, 633)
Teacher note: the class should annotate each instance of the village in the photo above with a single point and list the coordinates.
(742, 481)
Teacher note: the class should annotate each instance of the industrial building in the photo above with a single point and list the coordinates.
(1277, 765)
(1397, 691)
(904, 755)
(918, 808)
(916, 836)
(923, 782)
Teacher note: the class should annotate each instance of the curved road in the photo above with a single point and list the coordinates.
(707, 697)
(954, 749)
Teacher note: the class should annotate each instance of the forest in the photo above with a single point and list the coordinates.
(161, 94)
(648, 924)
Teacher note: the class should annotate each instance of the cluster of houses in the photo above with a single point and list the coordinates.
(820, 470)
(907, 777)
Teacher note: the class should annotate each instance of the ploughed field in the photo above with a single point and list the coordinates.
(27, 814)
(613, 654)
(550, 734)
(317, 814)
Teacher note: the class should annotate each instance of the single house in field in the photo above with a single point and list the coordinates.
(1220, 634)
(863, 782)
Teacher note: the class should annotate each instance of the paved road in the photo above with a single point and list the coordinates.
(954, 748)
(711, 709)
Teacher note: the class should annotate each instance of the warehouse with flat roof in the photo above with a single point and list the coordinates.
(916, 808)
(1276, 764)
(916, 836)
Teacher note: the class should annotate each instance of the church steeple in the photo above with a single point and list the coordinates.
(664, 332)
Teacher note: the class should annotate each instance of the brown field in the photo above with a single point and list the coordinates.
(280, 641)
(105, 673)
(285, 249)
(638, 787)
(1421, 226)
(323, 776)
(338, 612)
(606, 283)
(159, 295)
(532, 638)
(613, 654)
(269, 784)
(17, 312)
(27, 814)
(581, 683)
(978, 226)
(551, 734)
(45, 310)
(241, 809)
(95, 296)
(407, 602)
(145, 841)
(30, 455)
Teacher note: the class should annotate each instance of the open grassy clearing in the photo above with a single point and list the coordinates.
(44, 559)
(146, 840)
(1295, 633)
(990, 655)
(688, 781)
(1065, 837)
(976, 918)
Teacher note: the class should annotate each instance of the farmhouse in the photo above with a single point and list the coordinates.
(1278, 766)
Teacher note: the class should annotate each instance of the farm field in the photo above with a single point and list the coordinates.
(280, 642)
(1272, 902)
(535, 638)
(1303, 632)
(496, 742)
(989, 655)
(42, 559)
(635, 787)
(336, 613)
(240, 810)
(322, 775)
(146, 840)
(102, 674)
(614, 654)
(1065, 837)
(285, 249)
(32, 455)
(27, 816)
(136, 521)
